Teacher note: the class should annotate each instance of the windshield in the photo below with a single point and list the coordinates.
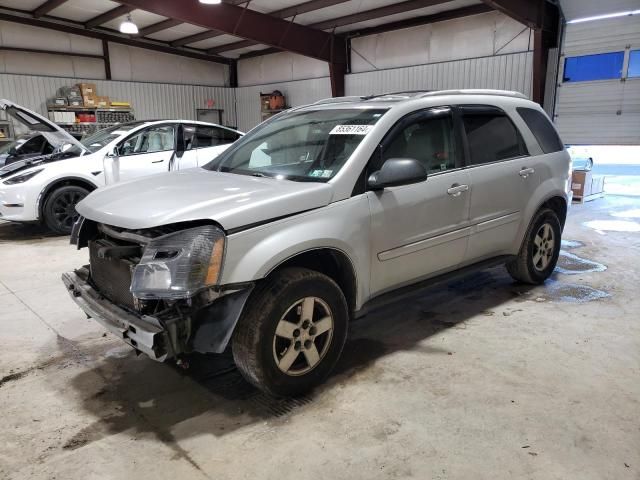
(302, 146)
(101, 138)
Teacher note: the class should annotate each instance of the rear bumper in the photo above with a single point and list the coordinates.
(144, 333)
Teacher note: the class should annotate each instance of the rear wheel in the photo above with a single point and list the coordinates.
(540, 249)
(60, 208)
(292, 332)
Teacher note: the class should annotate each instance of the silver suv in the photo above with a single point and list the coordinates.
(311, 218)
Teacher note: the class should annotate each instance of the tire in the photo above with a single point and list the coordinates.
(534, 264)
(303, 353)
(60, 208)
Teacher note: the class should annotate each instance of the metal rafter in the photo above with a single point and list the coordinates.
(380, 12)
(47, 6)
(306, 7)
(108, 16)
(102, 34)
(388, 27)
(252, 25)
(527, 12)
(157, 27)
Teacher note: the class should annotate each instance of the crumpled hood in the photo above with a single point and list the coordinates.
(232, 200)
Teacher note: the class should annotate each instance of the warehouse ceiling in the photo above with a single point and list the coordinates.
(574, 9)
(243, 27)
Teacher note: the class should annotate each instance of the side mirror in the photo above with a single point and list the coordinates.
(13, 151)
(111, 165)
(396, 172)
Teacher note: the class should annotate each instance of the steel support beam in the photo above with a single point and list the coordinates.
(108, 16)
(388, 27)
(157, 27)
(50, 52)
(375, 13)
(543, 41)
(423, 20)
(47, 6)
(306, 7)
(111, 37)
(527, 12)
(337, 71)
(249, 24)
(107, 59)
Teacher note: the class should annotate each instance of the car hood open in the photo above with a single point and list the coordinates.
(232, 200)
(54, 134)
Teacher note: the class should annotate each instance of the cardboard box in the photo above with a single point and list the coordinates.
(103, 102)
(87, 89)
(58, 101)
(75, 101)
(90, 100)
(585, 184)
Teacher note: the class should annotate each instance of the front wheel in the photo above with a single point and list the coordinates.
(60, 208)
(292, 332)
(539, 251)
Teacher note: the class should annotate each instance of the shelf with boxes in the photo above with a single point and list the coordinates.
(79, 110)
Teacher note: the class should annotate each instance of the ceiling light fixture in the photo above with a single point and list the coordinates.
(128, 26)
(211, 2)
(604, 17)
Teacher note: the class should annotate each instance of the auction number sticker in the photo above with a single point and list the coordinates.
(351, 129)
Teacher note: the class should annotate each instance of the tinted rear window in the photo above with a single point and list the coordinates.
(491, 134)
(542, 129)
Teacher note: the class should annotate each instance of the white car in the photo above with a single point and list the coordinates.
(48, 187)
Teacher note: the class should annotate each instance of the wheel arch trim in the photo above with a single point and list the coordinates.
(44, 193)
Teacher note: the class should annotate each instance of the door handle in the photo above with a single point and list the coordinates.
(456, 190)
(157, 161)
(525, 172)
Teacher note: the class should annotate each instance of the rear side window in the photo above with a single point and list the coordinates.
(212, 137)
(542, 129)
(491, 135)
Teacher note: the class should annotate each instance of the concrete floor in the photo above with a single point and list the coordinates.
(477, 379)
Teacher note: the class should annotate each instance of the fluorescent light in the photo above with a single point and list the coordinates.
(128, 26)
(603, 17)
(211, 2)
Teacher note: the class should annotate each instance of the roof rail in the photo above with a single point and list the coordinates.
(476, 91)
(326, 101)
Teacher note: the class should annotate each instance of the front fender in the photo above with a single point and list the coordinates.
(343, 226)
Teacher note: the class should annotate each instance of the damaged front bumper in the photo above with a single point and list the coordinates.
(162, 338)
(144, 333)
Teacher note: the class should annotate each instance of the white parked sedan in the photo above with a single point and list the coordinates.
(48, 187)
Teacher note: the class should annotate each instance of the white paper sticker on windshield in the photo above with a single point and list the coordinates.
(351, 129)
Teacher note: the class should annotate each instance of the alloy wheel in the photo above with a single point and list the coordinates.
(544, 247)
(64, 208)
(303, 336)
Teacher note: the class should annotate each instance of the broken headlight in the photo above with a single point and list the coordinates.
(179, 264)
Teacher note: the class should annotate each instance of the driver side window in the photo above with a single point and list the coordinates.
(429, 139)
(154, 139)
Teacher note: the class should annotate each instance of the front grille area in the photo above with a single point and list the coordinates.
(111, 276)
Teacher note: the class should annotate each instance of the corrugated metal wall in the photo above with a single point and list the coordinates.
(509, 72)
(603, 112)
(149, 100)
(152, 100)
(298, 93)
